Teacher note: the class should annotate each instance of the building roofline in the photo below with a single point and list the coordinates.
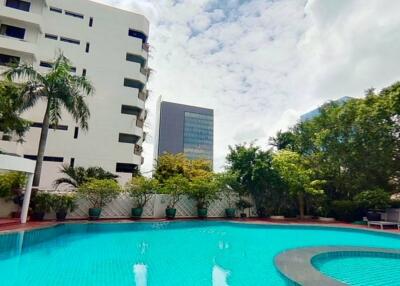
(187, 105)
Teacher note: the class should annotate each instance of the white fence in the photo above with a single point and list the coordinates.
(155, 208)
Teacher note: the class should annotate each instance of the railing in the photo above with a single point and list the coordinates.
(138, 150)
(143, 95)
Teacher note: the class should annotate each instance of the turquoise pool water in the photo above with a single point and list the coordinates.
(163, 254)
(361, 269)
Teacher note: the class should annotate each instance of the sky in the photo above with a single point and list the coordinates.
(260, 64)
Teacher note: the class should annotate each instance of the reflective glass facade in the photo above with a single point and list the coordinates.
(198, 136)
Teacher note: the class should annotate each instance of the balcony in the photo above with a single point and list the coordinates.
(22, 16)
(138, 150)
(143, 95)
(14, 44)
(146, 72)
(139, 123)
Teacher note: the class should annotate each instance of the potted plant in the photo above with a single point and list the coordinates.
(140, 189)
(373, 202)
(242, 205)
(99, 193)
(40, 204)
(230, 188)
(11, 188)
(62, 203)
(203, 190)
(175, 186)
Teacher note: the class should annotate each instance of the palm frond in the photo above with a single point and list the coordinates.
(24, 71)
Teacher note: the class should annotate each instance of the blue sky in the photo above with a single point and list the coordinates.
(261, 64)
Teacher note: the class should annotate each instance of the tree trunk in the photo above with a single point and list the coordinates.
(301, 204)
(42, 147)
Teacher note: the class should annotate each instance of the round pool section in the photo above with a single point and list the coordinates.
(167, 253)
(360, 267)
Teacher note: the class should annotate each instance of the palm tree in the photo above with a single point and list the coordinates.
(60, 90)
(76, 176)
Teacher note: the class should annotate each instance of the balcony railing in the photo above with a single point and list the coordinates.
(140, 123)
(143, 95)
(138, 150)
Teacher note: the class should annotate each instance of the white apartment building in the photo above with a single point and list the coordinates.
(108, 46)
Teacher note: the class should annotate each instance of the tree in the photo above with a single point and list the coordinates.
(61, 90)
(99, 192)
(77, 176)
(253, 167)
(141, 190)
(170, 165)
(204, 190)
(299, 177)
(175, 186)
(11, 107)
(230, 187)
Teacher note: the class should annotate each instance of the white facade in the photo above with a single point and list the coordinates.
(97, 39)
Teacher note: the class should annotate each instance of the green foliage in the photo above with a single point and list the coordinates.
(99, 192)
(299, 177)
(141, 189)
(63, 202)
(346, 210)
(41, 202)
(376, 199)
(230, 187)
(169, 165)
(11, 181)
(204, 190)
(77, 176)
(243, 204)
(255, 172)
(11, 106)
(175, 186)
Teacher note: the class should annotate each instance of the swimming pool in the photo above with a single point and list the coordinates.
(165, 253)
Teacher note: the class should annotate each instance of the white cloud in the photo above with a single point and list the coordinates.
(260, 64)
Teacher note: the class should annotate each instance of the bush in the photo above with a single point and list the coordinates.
(175, 186)
(99, 192)
(140, 189)
(63, 202)
(375, 200)
(10, 182)
(204, 190)
(346, 210)
(41, 202)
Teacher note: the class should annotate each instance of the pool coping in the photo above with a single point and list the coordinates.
(296, 264)
(48, 224)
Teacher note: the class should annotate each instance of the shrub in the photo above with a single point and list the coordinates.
(346, 210)
(175, 186)
(63, 202)
(243, 204)
(140, 189)
(203, 190)
(41, 202)
(99, 192)
(10, 182)
(375, 200)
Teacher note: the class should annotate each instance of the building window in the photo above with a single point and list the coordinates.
(91, 22)
(84, 72)
(51, 37)
(136, 59)
(128, 138)
(6, 60)
(137, 34)
(46, 158)
(73, 14)
(76, 132)
(71, 41)
(56, 10)
(46, 64)
(72, 162)
(12, 31)
(19, 4)
(126, 168)
(198, 136)
(87, 47)
(73, 69)
(58, 127)
(133, 83)
(131, 110)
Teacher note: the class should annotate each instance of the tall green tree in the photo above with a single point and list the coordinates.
(11, 107)
(60, 90)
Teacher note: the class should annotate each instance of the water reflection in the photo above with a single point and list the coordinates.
(219, 276)
(140, 271)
